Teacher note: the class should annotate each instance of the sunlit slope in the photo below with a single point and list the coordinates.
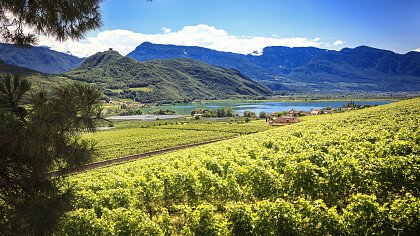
(139, 137)
(164, 81)
(355, 173)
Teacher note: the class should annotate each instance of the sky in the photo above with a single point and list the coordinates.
(247, 26)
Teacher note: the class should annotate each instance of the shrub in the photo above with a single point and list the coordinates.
(249, 114)
(262, 115)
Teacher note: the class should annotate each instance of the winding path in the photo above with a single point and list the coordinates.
(121, 160)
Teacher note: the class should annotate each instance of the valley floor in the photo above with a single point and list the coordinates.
(355, 173)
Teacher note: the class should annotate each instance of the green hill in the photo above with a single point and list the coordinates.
(355, 173)
(164, 81)
(16, 70)
(39, 81)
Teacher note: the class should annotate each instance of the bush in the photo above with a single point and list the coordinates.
(249, 114)
(365, 216)
(262, 115)
(129, 112)
(279, 114)
(203, 221)
(224, 112)
(164, 112)
(241, 220)
(220, 112)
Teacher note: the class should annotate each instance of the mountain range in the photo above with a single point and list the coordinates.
(307, 69)
(41, 59)
(283, 69)
(16, 70)
(163, 81)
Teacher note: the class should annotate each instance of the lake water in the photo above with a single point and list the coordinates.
(257, 107)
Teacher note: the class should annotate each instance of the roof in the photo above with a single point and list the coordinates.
(287, 117)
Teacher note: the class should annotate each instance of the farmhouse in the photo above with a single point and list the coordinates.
(328, 111)
(284, 120)
(315, 111)
(293, 112)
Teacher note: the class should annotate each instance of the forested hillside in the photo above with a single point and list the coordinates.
(38, 80)
(15, 70)
(307, 69)
(355, 173)
(177, 80)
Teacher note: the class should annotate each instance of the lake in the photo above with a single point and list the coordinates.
(257, 107)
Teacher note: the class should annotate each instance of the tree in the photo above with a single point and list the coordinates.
(221, 112)
(39, 134)
(249, 113)
(262, 114)
(62, 19)
(229, 112)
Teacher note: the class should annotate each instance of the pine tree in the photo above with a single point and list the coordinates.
(62, 19)
(39, 134)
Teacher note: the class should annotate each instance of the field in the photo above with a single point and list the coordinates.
(243, 128)
(143, 89)
(134, 137)
(355, 173)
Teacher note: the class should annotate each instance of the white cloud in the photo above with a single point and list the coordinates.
(417, 50)
(166, 30)
(124, 41)
(316, 39)
(338, 42)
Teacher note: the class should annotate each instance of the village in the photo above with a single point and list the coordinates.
(129, 111)
(292, 116)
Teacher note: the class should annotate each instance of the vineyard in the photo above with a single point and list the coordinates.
(243, 128)
(355, 173)
(129, 138)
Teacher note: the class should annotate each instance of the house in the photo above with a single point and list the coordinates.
(328, 111)
(284, 120)
(293, 112)
(303, 113)
(315, 111)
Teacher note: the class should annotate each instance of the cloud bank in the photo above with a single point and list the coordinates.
(338, 42)
(125, 41)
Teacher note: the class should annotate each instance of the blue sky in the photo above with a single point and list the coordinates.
(387, 24)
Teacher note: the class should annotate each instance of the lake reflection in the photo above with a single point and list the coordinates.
(257, 107)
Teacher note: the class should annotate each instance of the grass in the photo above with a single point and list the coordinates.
(117, 90)
(142, 89)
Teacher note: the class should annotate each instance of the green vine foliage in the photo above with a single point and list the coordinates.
(354, 173)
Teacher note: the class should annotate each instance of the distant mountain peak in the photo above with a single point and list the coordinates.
(146, 44)
(39, 58)
(307, 69)
(105, 57)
